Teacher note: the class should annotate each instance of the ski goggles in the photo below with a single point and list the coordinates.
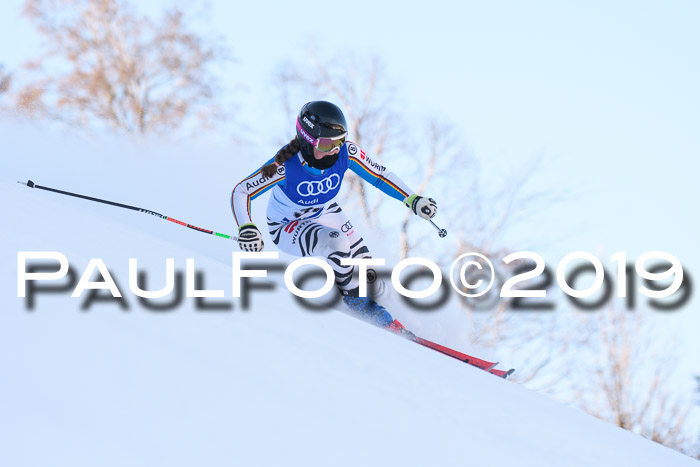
(322, 144)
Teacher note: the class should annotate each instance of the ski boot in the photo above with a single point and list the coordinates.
(367, 309)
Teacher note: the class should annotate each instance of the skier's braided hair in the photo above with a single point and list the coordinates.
(281, 157)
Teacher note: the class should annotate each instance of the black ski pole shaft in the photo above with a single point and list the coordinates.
(31, 184)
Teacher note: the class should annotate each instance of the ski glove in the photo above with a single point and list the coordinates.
(250, 238)
(421, 206)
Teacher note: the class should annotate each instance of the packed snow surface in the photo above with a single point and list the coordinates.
(275, 384)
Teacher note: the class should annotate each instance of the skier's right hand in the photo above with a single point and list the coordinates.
(250, 238)
(421, 206)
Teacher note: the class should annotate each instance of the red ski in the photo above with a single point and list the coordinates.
(398, 328)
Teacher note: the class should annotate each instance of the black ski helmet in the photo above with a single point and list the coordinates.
(319, 119)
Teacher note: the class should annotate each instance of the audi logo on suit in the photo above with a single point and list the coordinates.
(320, 187)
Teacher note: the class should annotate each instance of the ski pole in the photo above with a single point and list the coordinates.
(31, 184)
(441, 232)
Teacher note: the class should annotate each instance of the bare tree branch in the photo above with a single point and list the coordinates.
(635, 381)
(109, 66)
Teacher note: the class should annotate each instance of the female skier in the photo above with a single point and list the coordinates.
(303, 218)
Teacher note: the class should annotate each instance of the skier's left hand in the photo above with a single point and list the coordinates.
(250, 238)
(421, 206)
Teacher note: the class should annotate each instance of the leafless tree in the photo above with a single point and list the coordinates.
(107, 66)
(633, 384)
(617, 363)
(478, 214)
(4, 80)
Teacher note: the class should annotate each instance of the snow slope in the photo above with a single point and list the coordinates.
(273, 385)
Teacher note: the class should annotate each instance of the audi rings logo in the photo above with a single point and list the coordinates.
(320, 187)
